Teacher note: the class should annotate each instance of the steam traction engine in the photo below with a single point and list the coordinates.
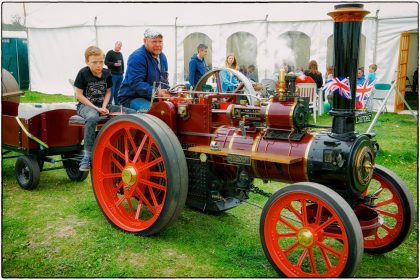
(206, 148)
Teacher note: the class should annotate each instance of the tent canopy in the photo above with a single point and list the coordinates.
(55, 29)
(50, 15)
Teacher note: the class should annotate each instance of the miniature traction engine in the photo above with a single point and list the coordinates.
(205, 148)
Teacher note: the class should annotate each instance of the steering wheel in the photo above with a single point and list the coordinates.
(244, 83)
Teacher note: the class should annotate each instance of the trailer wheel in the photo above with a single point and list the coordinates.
(308, 230)
(27, 172)
(72, 167)
(139, 174)
(395, 205)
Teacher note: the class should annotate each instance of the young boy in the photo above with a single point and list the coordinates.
(93, 91)
(372, 74)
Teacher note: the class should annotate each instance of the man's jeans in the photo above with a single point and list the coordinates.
(91, 117)
(116, 84)
(140, 104)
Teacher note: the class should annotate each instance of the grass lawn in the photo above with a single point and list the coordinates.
(58, 230)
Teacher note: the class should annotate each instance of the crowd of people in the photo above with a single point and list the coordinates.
(129, 87)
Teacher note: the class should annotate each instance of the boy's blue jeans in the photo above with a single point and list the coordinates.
(91, 117)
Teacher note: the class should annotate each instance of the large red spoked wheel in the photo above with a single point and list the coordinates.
(139, 173)
(395, 205)
(308, 230)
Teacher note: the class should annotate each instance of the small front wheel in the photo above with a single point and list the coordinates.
(27, 172)
(308, 230)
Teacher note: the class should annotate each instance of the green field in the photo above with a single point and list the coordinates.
(58, 230)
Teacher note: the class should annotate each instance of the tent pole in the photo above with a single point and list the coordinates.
(266, 45)
(96, 31)
(27, 43)
(376, 37)
(176, 53)
(17, 62)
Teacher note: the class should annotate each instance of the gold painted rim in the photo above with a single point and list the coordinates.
(254, 149)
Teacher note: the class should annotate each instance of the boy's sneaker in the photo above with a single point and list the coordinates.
(84, 164)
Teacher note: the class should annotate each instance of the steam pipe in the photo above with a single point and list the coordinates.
(347, 28)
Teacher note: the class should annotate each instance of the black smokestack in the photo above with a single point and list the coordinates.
(347, 28)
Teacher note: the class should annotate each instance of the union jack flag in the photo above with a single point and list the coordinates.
(338, 85)
(363, 91)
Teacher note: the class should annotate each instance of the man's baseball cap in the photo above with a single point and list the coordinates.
(152, 34)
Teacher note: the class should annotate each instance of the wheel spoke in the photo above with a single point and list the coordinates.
(333, 235)
(386, 228)
(328, 248)
(115, 151)
(392, 215)
(111, 175)
(152, 194)
(152, 184)
(294, 211)
(312, 260)
(318, 214)
(302, 258)
(140, 148)
(130, 138)
(326, 258)
(130, 206)
(146, 201)
(139, 205)
(150, 164)
(285, 235)
(158, 174)
(126, 149)
(288, 224)
(291, 248)
(117, 164)
(119, 201)
(304, 212)
(385, 202)
(325, 224)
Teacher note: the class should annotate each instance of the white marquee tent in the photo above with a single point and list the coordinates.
(58, 34)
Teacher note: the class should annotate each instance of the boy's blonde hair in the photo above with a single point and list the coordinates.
(374, 67)
(93, 51)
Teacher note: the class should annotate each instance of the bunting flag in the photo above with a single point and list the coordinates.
(338, 85)
(363, 91)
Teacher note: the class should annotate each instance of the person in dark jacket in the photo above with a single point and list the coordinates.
(146, 67)
(115, 62)
(197, 66)
(314, 73)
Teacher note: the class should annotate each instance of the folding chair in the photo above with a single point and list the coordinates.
(309, 90)
(378, 96)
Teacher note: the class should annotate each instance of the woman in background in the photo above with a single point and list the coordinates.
(314, 73)
(229, 82)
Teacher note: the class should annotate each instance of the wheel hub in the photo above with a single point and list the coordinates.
(305, 237)
(129, 175)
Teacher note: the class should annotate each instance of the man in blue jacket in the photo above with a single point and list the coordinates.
(146, 66)
(197, 66)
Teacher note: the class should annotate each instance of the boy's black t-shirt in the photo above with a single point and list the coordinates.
(94, 88)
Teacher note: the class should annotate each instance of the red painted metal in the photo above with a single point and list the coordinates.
(50, 127)
(390, 206)
(128, 146)
(328, 246)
